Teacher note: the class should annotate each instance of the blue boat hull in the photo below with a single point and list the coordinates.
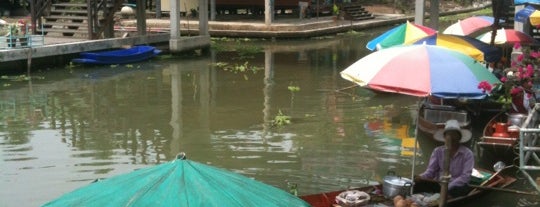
(122, 56)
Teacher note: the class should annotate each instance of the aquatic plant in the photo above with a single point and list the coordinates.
(238, 68)
(293, 88)
(281, 119)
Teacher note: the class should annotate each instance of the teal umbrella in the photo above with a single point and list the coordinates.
(178, 183)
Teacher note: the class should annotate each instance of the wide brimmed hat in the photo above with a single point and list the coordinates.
(453, 124)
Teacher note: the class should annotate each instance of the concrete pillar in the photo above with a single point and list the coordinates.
(434, 14)
(141, 17)
(212, 10)
(175, 19)
(519, 26)
(158, 9)
(419, 12)
(203, 18)
(268, 12)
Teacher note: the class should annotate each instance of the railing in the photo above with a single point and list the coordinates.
(22, 41)
(14, 42)
(529, 147)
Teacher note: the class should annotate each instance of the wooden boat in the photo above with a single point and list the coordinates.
(121, 56)
(432, 117)
(499, 134)
(327, 199)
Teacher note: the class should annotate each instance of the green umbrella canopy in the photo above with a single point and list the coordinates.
(178, 183)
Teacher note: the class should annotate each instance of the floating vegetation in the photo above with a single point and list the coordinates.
(71, 65)
(244, 51)
(248, 51)
(19, 78)
(281, 119)
(293, 88)
(16, 78)
(165, 57)
(243, 68)
(293, 188)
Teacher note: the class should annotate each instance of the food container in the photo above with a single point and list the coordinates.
(352, 198)
(396, 185)
(516, 119)
(513, 131)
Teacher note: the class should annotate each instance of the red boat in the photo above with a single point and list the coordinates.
(328, 199)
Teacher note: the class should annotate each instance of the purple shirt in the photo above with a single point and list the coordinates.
(461, 166)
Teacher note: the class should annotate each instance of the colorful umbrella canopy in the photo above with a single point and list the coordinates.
(178, 183)
(507, 36)
(471, 26)
(421, 70)
(402, 34)
(518, 2)
(472, 47)
(529, 13)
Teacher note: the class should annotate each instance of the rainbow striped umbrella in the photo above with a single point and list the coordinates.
(421, 70)
(507, 36)
(471, 26)
(402, 34)
(475, 48)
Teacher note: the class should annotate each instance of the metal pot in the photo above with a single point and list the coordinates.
(516, 119)
(396, 185)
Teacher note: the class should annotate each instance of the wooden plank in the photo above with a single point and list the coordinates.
(58, 30)
(68, 11)
(66, 17)
(65, 24)
(69, 5)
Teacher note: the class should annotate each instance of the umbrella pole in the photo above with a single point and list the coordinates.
(355, 85)
(446, 176)
(415, 144)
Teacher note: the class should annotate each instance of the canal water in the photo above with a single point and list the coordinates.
(68, 126)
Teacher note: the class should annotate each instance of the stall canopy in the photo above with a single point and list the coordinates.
(517, 2)
(529, 13)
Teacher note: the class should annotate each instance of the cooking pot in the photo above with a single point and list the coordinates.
(516, 119)
(396, 185)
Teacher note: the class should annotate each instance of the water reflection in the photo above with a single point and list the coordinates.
(79, 124)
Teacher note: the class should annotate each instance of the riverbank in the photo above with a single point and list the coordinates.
(249, 26)
(59, 50)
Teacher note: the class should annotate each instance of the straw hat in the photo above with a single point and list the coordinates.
(453, 124)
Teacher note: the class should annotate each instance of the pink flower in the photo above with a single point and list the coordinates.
(515, 90)
(530, 70)
(485, 86)
(503, 79)
(520, 57)
(517, 45)
(535, 54)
